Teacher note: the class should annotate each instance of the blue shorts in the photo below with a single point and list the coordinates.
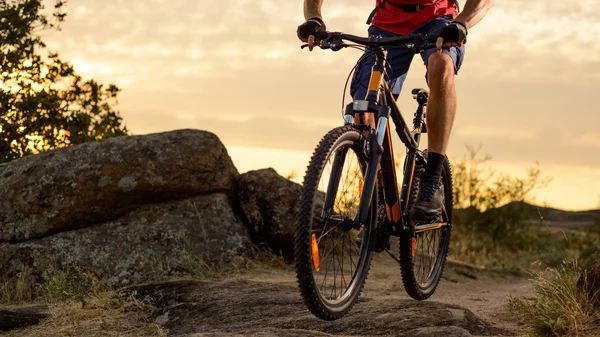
(399, 59)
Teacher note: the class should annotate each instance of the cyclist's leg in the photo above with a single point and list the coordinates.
(398, 64)
(441, 109)
(441, 68)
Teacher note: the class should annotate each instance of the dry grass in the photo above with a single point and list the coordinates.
(196, 266)
(559, 309)
(265, 258)
(16, 290)
(107, 314)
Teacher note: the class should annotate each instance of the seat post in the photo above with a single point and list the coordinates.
(421, 96)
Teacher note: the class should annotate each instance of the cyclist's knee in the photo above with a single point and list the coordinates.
(440, 67)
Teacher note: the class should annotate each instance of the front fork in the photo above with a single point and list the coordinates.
(376, 139)
(375, 150)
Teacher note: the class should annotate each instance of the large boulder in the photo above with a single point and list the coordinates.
(87, 184)
(155, 241)
(269, 201)
(589, 284)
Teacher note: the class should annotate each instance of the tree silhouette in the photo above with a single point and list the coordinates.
(44, 104)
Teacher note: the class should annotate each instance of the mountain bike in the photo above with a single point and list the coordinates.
(350, 205)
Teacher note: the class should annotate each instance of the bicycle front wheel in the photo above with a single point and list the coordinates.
(332, 250)
(424, 247)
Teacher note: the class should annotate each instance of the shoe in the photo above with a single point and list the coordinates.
(430, 199)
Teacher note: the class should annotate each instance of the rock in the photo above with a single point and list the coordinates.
(270, 202)
(232, 307)
(589, 283)
(264, 333)
(17, 318)
(189, 236)
(82, 185)
(443, 331)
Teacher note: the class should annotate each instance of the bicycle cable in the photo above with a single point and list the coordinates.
(387, 73)
(362, 58)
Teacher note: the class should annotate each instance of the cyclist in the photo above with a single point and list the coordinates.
(435, 18)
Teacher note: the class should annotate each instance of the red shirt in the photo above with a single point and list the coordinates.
(395, 20)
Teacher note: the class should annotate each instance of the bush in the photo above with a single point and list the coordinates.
(489, 201)
(72, 283)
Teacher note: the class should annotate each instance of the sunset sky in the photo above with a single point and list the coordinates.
(528, 90)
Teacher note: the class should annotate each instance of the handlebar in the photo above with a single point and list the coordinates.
(335, 41)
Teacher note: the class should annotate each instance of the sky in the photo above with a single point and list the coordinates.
(527, 91)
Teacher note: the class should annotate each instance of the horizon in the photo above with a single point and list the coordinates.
(235, 68)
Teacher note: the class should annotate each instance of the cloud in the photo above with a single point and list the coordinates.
(530, 70)
(589, 140)
(484, 132)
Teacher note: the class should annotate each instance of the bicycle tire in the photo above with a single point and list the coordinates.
(342, 140)
(415, 262)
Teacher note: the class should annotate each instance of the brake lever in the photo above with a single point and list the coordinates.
(329, 42)
(334, 45)
(323, 45)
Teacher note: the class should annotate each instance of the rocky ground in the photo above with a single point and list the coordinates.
(267, 303)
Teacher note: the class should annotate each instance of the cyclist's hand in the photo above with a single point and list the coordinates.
(453, 35)
(307, 31)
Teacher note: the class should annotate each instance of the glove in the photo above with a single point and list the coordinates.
(312, 26)
(455, 32)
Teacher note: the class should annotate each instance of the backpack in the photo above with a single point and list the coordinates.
(409, 8)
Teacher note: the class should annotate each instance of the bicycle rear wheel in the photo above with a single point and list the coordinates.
(332, 251)
(424, 247)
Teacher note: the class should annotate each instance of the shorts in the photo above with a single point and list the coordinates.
(399, 59)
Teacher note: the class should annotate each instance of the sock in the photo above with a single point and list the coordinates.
(435, 161)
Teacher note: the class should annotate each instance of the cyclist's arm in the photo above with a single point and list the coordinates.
(472, 13)
(312, 8)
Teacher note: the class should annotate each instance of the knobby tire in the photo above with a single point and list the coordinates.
(319, 304)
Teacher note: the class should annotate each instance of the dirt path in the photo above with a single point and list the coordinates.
(267, 303)
(485, 294)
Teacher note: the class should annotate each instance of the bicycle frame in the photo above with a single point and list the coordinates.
(380, 101)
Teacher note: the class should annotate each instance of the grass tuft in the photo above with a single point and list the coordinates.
(264, 257)
(105, 314)
(17, 289)
(559, 309)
